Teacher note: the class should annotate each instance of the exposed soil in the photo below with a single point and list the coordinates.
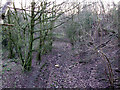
(63, 69)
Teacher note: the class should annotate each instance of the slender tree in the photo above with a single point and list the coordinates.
(10, 46)
(28, 62)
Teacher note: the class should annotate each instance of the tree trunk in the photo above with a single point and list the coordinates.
(28, 63)
(10, 46)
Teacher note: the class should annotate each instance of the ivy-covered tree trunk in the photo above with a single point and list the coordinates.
(28, 62)
(40, 43)
(42, 16)
(10, 46)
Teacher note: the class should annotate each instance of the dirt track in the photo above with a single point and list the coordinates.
(63, 69)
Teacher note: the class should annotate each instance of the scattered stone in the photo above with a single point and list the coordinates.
(57, 65)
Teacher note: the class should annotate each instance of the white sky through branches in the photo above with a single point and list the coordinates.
(17, 2)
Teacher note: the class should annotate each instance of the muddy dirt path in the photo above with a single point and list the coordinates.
(62, 69)
(67, 71)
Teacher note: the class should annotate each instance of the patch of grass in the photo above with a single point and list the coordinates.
(6, 69)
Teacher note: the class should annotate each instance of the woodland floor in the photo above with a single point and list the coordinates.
(63, 69)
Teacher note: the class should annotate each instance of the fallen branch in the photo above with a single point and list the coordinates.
(5, 24)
